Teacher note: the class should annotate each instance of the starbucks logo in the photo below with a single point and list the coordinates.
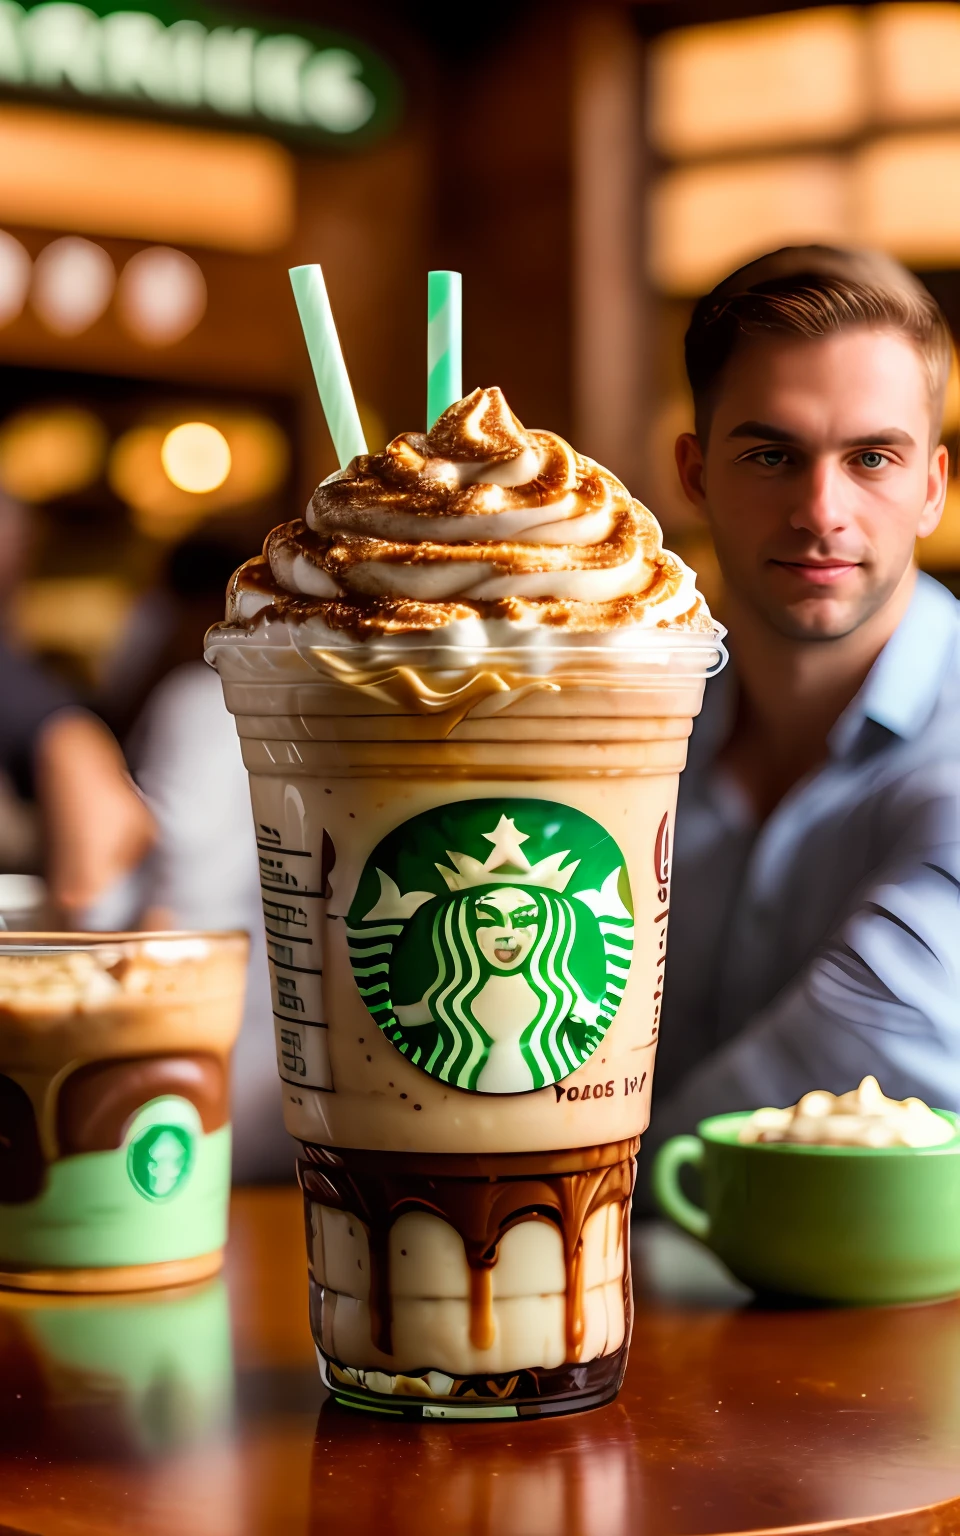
(161, 1147)
(491, 941)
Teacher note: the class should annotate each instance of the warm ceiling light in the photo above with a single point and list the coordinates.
(46, 453)
(260, 456)
(916, 59)
(162, 295)
(905, 205)
(706, 220)
(148, 181)
(769, 80)
(196, 457)
(73, 282)
(14, 277)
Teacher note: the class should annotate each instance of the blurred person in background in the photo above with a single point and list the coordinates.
(67, 802)
(815, 909)
(168, 621)
(203, 872)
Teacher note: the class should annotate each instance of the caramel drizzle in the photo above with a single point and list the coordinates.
(482, 1331)
(407, 688)
(481, 1210)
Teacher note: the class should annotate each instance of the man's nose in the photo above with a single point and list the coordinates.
(820, 507)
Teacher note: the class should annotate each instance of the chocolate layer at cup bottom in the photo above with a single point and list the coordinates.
(532, 1393)
(459, 1271)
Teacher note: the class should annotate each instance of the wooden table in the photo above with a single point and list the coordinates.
(733, 1418)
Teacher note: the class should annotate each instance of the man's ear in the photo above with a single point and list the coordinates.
(936, 492)
(690, 468)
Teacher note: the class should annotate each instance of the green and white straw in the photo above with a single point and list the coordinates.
(444, 342)
(329, 368)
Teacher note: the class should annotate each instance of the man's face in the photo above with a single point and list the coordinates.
(818, 476)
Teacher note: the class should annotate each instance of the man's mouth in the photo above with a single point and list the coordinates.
(818, 573)
(506, 951)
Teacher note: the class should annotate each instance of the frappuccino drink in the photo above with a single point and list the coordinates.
(464, 686)
(115, 1107)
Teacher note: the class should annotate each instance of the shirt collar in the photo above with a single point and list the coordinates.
(903, 685)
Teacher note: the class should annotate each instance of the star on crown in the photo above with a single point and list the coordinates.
(507, 863)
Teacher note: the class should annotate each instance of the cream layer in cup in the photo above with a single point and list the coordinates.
(464, 686)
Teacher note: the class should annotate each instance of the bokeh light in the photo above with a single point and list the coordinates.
(14, 277)
(260, 456)
(162, 295)
(196, 457)
(916, 60)
(49, 452)
(736, 85)
(73, 282)
(76, 615)
(707, 219)
(142, 180)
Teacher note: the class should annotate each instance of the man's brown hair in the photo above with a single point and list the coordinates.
(813, 291)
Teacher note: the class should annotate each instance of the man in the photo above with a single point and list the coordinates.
(815, 914)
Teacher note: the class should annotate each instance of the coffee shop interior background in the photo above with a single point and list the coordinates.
(588, 167)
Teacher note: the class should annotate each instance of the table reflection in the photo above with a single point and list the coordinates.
(576, 1476)
(115, 1376)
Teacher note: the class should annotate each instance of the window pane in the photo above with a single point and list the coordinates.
(709, 219)
(916, 49)
(906, 197)
(770, 80)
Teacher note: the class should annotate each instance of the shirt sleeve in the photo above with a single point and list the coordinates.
(28, 699)
(880, 996)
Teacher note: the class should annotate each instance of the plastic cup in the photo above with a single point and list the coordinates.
(114, 1107)
(465, 870)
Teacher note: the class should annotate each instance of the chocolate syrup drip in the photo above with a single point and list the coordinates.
(481, 1197)
(97, 1102)
(22, 1170)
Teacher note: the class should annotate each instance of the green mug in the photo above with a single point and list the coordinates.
(845, 1224)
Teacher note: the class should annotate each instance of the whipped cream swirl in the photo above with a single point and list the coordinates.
(478, 517)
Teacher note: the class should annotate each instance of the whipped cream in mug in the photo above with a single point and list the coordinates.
(864, 1117)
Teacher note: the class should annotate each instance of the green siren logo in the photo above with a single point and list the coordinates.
(159, 1160)
(491, 941)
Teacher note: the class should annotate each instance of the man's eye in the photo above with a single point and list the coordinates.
(485, 915)
(871, 459)
(770, 458)
(524, 919)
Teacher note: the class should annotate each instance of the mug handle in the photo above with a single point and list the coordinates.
(677, 1153)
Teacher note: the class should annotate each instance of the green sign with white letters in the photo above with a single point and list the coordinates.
(165, 59)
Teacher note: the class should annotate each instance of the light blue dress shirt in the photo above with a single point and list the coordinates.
(824, 944)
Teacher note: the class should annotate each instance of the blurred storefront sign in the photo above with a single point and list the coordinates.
(164, 59)
(144, 180)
